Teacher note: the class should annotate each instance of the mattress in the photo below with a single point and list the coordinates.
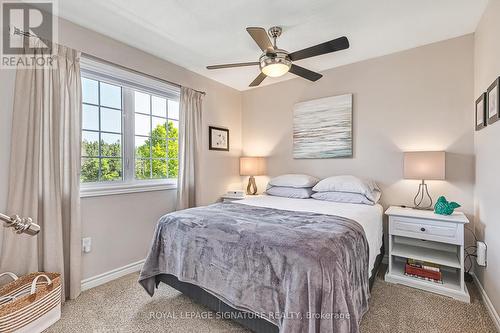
(369, 217)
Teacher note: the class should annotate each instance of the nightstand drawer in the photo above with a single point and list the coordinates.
(434, 230)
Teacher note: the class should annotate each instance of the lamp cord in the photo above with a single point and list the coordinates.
(468, 254)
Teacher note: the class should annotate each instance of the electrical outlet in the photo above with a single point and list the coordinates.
(86, 244)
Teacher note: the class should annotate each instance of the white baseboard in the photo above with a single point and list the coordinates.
(114, 274)
(491, 310)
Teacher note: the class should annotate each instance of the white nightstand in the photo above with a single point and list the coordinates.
(423, 235)
(228, 198)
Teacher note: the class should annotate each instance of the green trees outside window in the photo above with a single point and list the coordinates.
(155, 158)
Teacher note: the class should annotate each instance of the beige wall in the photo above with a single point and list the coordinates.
(121, 226)
(419, 99)
(487, 143)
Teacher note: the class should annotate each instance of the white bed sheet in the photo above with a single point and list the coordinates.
(370, 217)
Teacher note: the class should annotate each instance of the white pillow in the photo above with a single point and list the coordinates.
(294, 180)
(351, 184)
(290, 192)
(346, 197)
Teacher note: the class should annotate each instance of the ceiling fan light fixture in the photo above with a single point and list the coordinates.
(275, 70)
(275, 65)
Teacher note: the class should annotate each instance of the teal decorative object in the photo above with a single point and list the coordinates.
(443, 207)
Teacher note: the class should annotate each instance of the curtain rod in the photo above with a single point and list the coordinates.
(21, 224)
(20, 32)
(87, 55)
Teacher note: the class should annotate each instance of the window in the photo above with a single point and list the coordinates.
(156, 134)
(129, 131)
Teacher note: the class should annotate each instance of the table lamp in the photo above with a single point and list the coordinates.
(424, 165)
(252, 166)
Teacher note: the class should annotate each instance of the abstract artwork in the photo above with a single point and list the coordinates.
(322, 128)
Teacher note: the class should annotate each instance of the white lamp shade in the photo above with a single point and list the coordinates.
(252, 166)
(425, 165)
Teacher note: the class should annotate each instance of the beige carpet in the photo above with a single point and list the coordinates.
(122, 306)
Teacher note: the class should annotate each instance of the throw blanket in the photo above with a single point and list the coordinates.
(304, 272)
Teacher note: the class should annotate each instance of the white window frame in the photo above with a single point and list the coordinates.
(99, 71)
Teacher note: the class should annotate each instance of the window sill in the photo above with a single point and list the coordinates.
(116, 189)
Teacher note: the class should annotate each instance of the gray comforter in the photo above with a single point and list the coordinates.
(304, 272)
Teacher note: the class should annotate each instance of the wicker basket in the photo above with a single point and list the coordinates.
(30, 303)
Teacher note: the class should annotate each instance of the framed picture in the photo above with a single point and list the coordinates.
(218, 138)
(322, 128)
(493, 98)
(481, 112)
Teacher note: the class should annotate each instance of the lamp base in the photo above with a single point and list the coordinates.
(252, 186)
(422, 194)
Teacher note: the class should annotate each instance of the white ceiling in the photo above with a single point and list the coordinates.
(197, 33)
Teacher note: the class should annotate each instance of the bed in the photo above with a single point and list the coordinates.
(273, 264)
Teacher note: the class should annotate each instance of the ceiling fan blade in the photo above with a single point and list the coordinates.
(260, 36)
(338, 44)
(305, 73)
(258, 80)
(239, 64)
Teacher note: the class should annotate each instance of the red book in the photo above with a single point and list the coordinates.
(433, 275)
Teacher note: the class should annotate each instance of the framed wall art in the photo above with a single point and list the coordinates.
(481, 112)
(322, 128)
(493, 99)
(218, 138)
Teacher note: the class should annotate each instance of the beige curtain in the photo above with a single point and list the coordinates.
(44, 170)
(189, 146)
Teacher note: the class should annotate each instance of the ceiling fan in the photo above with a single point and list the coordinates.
(275, 62)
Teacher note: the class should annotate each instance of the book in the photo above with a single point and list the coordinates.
(425, 278)
(423, 273)
(424, 264)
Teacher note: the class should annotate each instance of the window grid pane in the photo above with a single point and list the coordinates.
(159, 106)
(113, 168)
(111, 120)
(90, 144)
(90, 170)
(142, 168)
(173, 109)
(161, 159)
(90, 117)
(110, 96)
(142, 103)
(173, 167)
(102, 150)
(90, 90)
